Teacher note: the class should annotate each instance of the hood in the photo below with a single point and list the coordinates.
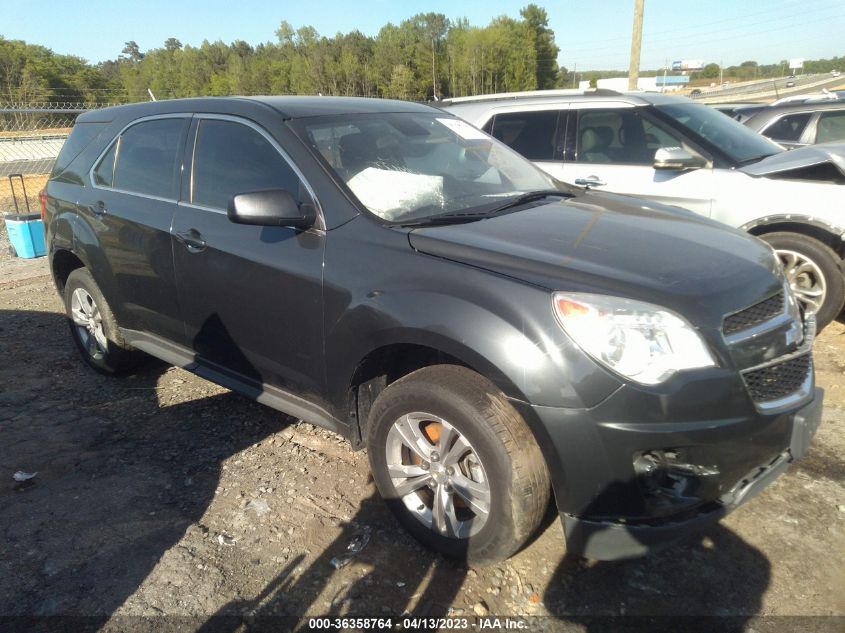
(796, 163)
(609, 244)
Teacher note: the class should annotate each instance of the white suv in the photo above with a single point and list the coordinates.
(675, 151)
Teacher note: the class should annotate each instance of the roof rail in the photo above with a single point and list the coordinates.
(567, 92)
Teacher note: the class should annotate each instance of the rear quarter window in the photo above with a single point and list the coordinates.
(81, 136)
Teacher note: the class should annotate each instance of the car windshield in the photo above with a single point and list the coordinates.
(737, 141)
(406, 167)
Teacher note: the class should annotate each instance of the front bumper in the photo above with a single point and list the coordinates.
(606, 512)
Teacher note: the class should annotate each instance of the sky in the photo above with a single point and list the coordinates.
(592, 34)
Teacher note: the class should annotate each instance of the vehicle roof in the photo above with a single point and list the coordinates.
(767, 112)
(832, 104)
(289, 107)
(474, 108)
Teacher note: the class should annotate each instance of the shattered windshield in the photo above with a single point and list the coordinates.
(737, 141)
(410, 166)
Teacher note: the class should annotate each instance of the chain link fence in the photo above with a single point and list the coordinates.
(30, 139)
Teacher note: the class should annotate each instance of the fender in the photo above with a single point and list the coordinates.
(788, 218)
(86, 247)
(528, 357)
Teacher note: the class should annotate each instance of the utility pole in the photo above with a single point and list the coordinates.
(636, 44)
(433, 73)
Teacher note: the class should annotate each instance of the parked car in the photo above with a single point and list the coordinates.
(670, 149)
(387, 271)
(798, 124)
(730, 109)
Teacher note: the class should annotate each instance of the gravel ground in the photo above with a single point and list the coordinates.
(164, 494)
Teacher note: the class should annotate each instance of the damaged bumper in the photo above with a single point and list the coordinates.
(615, 505)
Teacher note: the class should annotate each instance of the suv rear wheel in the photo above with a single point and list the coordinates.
(457, 464)
(814, 273)
(93, 327)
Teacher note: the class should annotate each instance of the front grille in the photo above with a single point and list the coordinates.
(779, 380)
(755, 315)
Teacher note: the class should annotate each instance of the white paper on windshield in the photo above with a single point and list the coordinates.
(390, 194)
(464, 129)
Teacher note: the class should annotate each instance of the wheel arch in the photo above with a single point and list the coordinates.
(829, 234)
(62, 264)
(390, 361)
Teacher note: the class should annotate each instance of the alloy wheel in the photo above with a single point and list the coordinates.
(805, 278)
(438, 475)
(89, 323)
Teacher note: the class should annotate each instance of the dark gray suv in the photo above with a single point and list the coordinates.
(389, 272)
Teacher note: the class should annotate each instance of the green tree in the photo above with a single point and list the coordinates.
(545, 49)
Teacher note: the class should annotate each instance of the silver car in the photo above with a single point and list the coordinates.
(675, 151)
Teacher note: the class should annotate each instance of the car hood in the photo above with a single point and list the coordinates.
(604, 243)
(787, 163)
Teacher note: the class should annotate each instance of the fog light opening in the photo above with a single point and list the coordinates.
(668, 479)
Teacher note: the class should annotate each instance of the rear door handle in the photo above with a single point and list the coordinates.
(590, 181)
(192, 240)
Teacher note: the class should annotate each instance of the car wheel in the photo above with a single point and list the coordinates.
(457, 464)
(814, 273)
(94, 329)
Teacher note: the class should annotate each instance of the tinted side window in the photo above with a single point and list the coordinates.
(146, 158)
(104, 173)
(231, 158)
(80, 137)
(831, 127)
(620, 136)
(788, 128)
(532, 134)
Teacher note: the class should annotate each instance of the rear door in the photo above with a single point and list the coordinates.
(135, 189)
(614, 149)
(251, 296)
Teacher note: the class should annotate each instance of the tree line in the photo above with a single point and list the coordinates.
(426, 56)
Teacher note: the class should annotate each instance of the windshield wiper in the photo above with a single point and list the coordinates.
(457, 217)
(754, 159)
(531, 196)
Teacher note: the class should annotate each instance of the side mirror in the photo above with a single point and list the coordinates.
(273, 207)
(677, 158)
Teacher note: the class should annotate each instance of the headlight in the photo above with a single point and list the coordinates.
(640, 341)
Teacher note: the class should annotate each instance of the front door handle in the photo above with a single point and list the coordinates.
(192, 240)
(590, 181)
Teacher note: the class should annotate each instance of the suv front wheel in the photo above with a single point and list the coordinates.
(457, 464)
(814, 273)
(94, 328)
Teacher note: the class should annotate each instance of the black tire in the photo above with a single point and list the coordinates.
(507, 450)
(118, 357)
(825, 260)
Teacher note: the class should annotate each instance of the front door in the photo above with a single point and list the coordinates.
(251, 296)
(614, 151)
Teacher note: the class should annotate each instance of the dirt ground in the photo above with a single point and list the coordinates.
(163, 494)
